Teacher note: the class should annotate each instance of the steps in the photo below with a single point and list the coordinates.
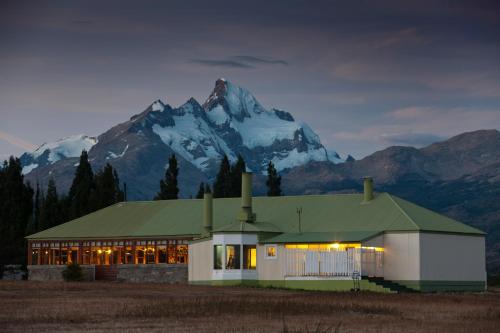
(395, 287)
(106, 273)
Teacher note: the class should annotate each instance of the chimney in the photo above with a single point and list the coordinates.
(208, 214)
(246, 214)
(368, 189)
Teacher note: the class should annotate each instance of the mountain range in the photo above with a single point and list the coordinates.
(230, 122)
(459, 177)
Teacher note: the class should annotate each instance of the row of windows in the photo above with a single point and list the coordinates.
(231, 258)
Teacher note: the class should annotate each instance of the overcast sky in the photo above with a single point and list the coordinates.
(364, 76)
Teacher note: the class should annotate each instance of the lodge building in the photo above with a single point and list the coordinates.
(371, 241)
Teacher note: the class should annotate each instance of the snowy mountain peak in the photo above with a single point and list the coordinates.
(235, 101)
(50, 153)
(231, 122)
(158, 105)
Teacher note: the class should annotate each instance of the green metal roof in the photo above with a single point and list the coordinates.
(322, 237)
(323, 217)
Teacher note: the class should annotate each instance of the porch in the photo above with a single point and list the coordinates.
(335, 261)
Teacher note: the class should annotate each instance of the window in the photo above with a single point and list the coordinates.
(271, 252)
(232, 257)
(218, 256)
(249, 256)
(34, 256)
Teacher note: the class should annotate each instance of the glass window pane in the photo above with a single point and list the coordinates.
(232, 257)
(271, 251)
(218, 256)
(249, 257)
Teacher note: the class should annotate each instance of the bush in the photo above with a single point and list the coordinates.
(73, 272)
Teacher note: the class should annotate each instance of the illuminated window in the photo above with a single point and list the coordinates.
(271, 251)
(218, 256)
(232, 257)
(249, 257)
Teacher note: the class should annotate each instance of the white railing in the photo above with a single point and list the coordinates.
(333, 262)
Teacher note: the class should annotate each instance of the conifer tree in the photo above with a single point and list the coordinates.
(236, 170)
(107, 188)
(36, 208)
(50, 210)
(169, 189)
(222, 184)
(201, 191)
(273, 181)
(79, 196)
(16, 209)
(207, 188)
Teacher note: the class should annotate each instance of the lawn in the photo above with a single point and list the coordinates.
(123, 307)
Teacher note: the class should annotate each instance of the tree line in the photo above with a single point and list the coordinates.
(227, 183)
(24, 210)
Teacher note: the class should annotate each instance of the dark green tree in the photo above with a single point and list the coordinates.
(36, 209)
(222, 184)
(207, 188)
(16, 209)
(273, 181)
(236, 170)
(107, 188)
(50, 211)
(169, 189)
(79, 196)
(201, 191)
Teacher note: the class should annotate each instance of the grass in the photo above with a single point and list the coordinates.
(99, 306)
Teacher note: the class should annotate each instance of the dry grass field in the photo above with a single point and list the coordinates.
(103, 307)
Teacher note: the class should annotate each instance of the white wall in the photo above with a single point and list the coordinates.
(200, 261)
(452, 257)
(271, 269)
(402, 256)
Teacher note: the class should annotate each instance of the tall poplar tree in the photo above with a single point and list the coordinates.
(169, 189)
(107, 188)
(273, 181)
(235, 178)
(79, 197)
(50, 211)
(222, 184)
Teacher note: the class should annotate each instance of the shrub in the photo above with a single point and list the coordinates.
(73, 272)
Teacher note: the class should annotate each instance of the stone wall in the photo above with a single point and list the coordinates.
(12, 272)
(163, 273)
(54, 272)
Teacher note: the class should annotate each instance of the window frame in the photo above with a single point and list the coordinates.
(275, 246)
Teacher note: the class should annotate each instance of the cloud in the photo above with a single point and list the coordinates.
(410, 139)
(221, 63)
(82, 22)
(259, 60)
(16, 141)
(239, 61)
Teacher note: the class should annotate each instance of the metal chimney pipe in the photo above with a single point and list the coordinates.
(208, 212)
(246, 214)
(368, 189)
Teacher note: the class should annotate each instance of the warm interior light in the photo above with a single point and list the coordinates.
(108, 251)
(253, 258)
(99, 251)
(335, 245)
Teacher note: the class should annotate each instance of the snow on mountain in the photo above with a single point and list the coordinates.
(50, 153)
(231, 122)
(192, 137)
(247, 126)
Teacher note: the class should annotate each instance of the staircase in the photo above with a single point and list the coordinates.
(395, 287)
(106, 273)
